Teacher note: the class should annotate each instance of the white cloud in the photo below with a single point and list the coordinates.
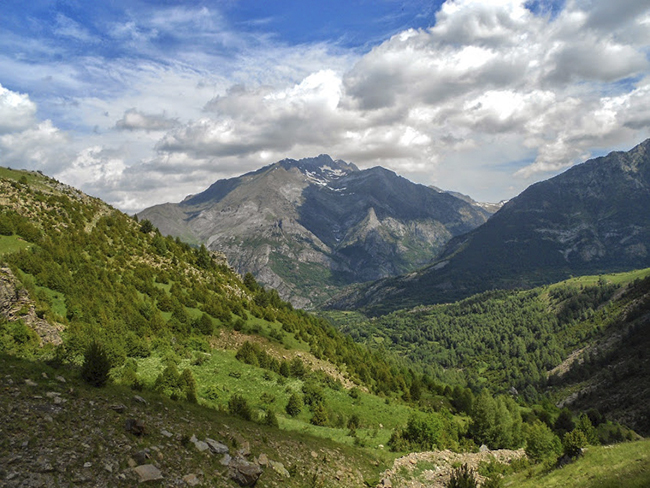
(135, 120)
(488, 100)
(17, 111)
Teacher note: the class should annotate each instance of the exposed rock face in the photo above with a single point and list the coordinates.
(591, 219)
(244, 472)
(306, 227)
(15, 304)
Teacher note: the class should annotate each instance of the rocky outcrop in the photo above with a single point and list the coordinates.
(15, 304)
(443, 463)
(307, 227)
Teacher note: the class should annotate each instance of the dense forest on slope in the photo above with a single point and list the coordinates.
(516, 339)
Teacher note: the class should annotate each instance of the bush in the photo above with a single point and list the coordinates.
(270, 419)
(573, 442)
(294, 406)
(462, 477)
(320, 416)
(238, 405)
(96, 365)
(541, 442)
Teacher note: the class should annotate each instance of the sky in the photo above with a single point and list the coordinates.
(141, 102)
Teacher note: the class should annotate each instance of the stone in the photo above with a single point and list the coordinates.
(245, 449)
(29, 382)
(244, 473)
(484, 448)
(216, 447)
(60, 379)
(280, 469)
(201, 446)
(141, 457)
(148, 472)
(88, 465)
(166, 433)
(118, 407)
(136, 427)
(191, 479)
(263, 460)
(225, 461)
(139, 399)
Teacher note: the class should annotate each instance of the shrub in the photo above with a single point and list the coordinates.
(270, 419)
(462, 477)
(187, 384)
(294, 406)
(238, 405)
(573, 442)
(320, 416)
(541, 442)
(96, 365)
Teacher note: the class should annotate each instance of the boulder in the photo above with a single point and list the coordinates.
(216, 447)
(136, 427)
(148, 472)
(244, 473)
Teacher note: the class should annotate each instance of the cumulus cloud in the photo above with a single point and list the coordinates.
(492, 97)
(17, 111)
(134, 120)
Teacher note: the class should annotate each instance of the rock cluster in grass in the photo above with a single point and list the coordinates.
(440, 464)
(58, 432)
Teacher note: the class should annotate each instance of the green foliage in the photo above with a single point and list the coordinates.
(462, 477)
(238, 405)
(425, 432)
(96, 366)
(270, 419)
(146, 226)
(496, 422)
(573, 442)
(294, 406)
(320, 416)
(541, 442)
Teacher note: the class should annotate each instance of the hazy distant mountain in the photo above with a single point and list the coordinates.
(593, 218)
(307, 227)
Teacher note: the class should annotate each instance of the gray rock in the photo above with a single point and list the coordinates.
(118, 407)
(484, 448)
(136, 427)
(60, 379)
(148, 472)
(166, 433)
(29, 382)
(225, 461)
(216, 447)
(244, 473)
(201, 446)
(191, 479)
(139, 399)
(141, 457)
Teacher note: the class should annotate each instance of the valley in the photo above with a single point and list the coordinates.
(147, 327)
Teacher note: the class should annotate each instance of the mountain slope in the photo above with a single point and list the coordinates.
(306, 227)
(591, 219)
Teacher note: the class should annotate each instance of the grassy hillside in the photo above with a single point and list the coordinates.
(506, 339)
(616, 466)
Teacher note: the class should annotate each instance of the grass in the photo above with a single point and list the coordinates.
(221, 376)
(621, 465)
(11, 244)
(310, 459)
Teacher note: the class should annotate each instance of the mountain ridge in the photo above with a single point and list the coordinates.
(590, 219)
(306, 227)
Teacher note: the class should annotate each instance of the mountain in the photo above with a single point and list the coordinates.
(591, 219)
(306, 227)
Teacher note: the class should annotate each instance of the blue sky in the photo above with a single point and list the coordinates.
(140, 102)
